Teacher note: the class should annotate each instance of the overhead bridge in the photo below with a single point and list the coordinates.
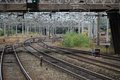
(60, 5)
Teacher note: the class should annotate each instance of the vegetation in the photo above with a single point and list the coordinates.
(72, 39)
(103, 23)
(61, 30)
(1, 32)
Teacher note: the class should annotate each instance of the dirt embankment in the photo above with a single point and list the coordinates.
(11, 40)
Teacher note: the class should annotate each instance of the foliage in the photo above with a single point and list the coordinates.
(103, 23)
(72, 39)
(1, 32)
(61, 30)
(8, 32)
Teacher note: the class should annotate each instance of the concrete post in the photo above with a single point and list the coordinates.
(107, 31)
(4, 29)
(22, 29)
(98, 30)
(16, 30)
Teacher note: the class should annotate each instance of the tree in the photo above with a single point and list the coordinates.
(103, 23)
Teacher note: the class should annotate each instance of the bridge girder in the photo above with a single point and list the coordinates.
(59, 7)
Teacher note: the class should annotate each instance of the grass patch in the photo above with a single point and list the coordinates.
(72, 39)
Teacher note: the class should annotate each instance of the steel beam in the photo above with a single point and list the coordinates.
(59, 7)
(12, 7)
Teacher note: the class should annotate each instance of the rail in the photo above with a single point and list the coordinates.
(26, 75)
(21, 66)
(70, 68)
(1, 63)
(100, 76)
(84, 59)
(87, 53)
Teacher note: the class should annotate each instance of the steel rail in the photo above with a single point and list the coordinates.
(1, 63)
(78, 55)
(90, 61)
(85, 71)
(89, 53)
(21, 65)
(65, 70)
(86, 60)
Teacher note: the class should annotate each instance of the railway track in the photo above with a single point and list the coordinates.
(87, 57)
(78, 72)
(89, 53)
(110, 66)
(78, 52)
(41, 39)
(98, 63)
(11, 66)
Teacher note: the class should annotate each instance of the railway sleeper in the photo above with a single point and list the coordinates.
(9, 62)
(8, 51)
(54, 62)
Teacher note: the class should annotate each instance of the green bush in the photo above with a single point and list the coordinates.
(73, 39)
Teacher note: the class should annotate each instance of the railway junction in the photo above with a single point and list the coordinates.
(59, 39)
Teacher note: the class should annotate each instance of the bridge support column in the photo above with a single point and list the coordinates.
(114, 19)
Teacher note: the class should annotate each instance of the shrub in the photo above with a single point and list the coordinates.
(72, 39)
